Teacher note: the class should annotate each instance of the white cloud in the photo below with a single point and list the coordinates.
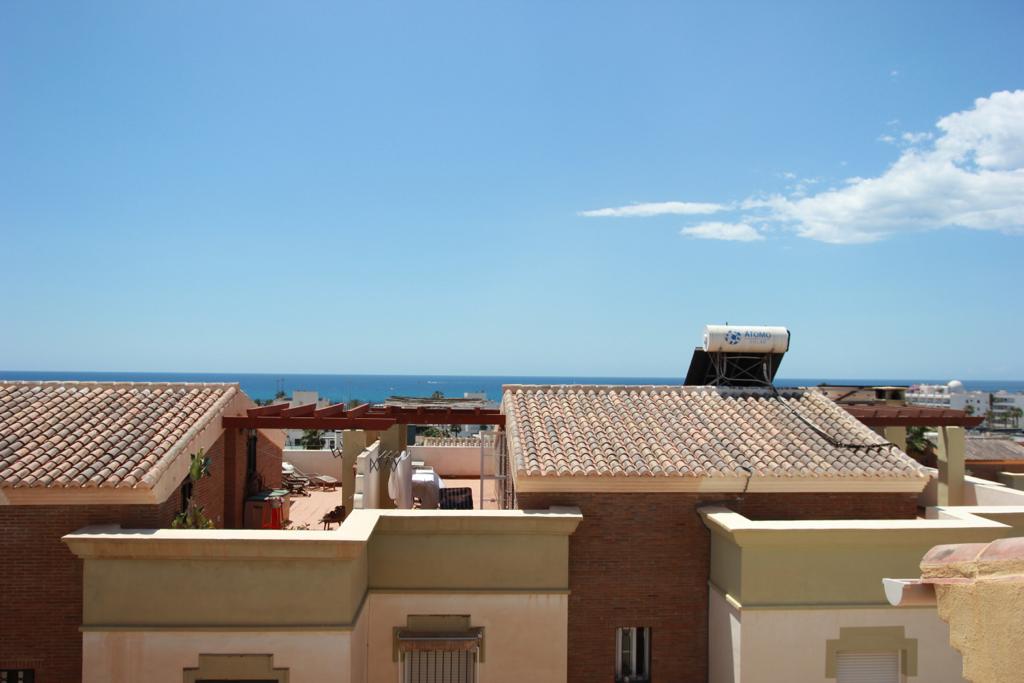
(915, 138)
(968, 173)
(735, 232)
(656, 209)
(887, 139)
(972, 177)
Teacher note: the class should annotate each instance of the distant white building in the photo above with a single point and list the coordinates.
(293, 437)
(953, 395)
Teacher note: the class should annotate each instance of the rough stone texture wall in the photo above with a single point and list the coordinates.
(641, 559)
(41, 581)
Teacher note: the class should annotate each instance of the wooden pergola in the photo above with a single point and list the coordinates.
(366, 417)
(911, 416)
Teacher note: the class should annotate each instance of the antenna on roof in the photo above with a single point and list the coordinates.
(738, 356)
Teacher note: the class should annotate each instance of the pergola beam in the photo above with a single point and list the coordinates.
(912, 416)
(312, 422)
(365, 416)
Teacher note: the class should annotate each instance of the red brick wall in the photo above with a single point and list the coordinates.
(209, 491)
(41, 581)
(223, 493)
(268, 462)
(641, 559)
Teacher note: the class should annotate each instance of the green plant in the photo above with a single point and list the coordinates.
(312, 439)
(192, 517)
(916, 440)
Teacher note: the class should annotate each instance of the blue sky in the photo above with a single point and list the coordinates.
(404, 188)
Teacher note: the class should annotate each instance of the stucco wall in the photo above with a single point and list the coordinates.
(725, 638)
(783, 646)
(514, 624)
(454, 461)
(146, 611)
(162, 656)
(314, 462)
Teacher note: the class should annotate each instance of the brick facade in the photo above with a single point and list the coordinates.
(642, 559)
(41, 580)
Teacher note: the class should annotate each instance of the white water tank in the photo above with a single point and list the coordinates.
(745, 339)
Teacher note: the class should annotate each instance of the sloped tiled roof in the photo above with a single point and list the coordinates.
(986, 448)
(89, 434)
(694, 432)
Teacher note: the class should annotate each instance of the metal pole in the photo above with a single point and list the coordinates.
(480, 436)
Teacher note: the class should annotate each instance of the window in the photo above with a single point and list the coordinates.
(186, 494)
(17, 675)
(250, 453)
(868, 667)
(439, 666)
(633, 655)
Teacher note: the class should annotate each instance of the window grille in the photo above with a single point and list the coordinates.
(439, 666)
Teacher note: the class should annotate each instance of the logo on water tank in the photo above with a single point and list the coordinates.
(733, 337)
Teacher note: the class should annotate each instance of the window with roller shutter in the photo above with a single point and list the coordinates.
(868, 667)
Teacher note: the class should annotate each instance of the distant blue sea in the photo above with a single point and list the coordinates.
(379, 387)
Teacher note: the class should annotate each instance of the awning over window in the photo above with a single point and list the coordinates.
(439, 641)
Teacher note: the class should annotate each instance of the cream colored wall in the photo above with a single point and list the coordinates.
(162, 656)
(782, 646)
(1014, 480)
(454, 461)
(318, 462)
(724, 639)
(367, 484)
(831, 562)
(359, 645)
(525, 634)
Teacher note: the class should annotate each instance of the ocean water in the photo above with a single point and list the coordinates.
(379, 387)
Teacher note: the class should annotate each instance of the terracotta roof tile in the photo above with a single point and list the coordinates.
(89, 434)
(684, 431)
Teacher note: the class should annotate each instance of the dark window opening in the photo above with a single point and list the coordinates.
(633, 655)
(17, 675)
(250, 453)
(186, 493)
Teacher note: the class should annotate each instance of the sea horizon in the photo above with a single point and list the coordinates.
(377, 387)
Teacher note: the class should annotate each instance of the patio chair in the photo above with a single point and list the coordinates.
(335, 516)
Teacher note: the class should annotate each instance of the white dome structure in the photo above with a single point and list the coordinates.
(955, 387)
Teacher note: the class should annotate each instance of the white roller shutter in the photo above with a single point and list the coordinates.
(868, 667)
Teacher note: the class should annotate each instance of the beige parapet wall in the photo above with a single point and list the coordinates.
(1014, 480)
(836, 562)
(322, 601)
(455, 461)
(813, 588)
(315, 462)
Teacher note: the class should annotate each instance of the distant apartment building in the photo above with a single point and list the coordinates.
(1001, 408)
